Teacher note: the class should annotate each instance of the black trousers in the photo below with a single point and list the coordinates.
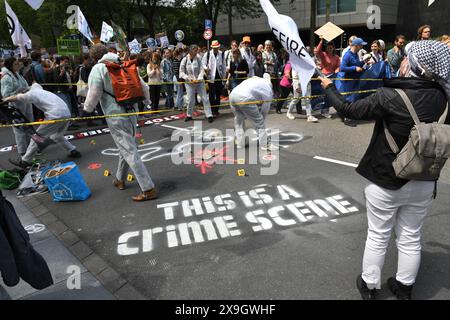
(155, 94)
(215, 91)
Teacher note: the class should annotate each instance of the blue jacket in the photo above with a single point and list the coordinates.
(349, 64)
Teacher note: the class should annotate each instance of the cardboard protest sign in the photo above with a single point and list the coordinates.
(329, 31)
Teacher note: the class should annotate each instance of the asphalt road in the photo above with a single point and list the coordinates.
(212, 234)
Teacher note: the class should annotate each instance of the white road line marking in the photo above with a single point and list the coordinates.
(348, 164)
(175, 128)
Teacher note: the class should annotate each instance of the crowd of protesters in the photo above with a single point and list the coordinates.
(216, 73)
(185, 76)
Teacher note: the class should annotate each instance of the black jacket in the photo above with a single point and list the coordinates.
(18, 259)
(429, 101)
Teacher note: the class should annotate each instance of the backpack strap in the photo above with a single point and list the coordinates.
(444, 116)
(390, 139)
(409, 105)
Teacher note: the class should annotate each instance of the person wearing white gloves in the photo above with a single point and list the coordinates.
(123, 129)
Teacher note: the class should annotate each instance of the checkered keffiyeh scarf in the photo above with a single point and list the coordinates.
(431, 60)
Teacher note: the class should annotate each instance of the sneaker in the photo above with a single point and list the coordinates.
(366, 293)
(290, 116)
(188, 119)
(327, 115)
(20, 163)
(312, 119)
(211, 119)
(399, 290)
(75, 154)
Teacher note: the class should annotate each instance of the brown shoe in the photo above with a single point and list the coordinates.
(146, 196)
(119, 184)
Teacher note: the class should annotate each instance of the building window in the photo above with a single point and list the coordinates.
(336, 6)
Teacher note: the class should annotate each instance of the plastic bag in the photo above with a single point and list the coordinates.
(66, 183)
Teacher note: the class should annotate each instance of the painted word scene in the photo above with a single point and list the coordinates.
(212, 218)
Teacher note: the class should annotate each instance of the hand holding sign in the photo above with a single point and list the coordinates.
(329, 32)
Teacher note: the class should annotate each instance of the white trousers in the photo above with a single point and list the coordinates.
(54, 131)
(404, 211)
(123, 131)
(192, 90)
(252, 113)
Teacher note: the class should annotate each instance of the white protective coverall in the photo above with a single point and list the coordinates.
(11, 85)
(244, 104)
(192, 70)
(123, 129)
(54, 108)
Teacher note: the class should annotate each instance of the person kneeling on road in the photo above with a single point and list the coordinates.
(54, 108)
(244, 100)
(123, 128)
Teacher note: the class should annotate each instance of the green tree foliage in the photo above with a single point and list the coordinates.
(50, 21)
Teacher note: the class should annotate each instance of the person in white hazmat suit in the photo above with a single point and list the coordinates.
(244, 101)
(122, 128)
(54, 108)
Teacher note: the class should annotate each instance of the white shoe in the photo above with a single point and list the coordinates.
(312, 119)
(290, 116)
(327, 115)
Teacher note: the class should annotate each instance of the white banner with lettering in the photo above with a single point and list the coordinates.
(286, 32)
(18, 35)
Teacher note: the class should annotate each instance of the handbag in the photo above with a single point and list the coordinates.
(427, 150)
(82, 87)
(66, 183)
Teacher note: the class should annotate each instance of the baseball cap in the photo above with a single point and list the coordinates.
(359, 42)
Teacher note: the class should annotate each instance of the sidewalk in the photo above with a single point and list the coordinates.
(58, 258)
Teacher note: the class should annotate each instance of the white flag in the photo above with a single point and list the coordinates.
(107, 32)
(83, 26)
(18, 35)
(35, 4)
(286, 32)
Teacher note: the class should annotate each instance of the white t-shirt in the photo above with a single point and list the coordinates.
(53, 106)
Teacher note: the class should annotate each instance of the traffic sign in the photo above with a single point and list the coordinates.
(208, 24)
(179, 35)
(207, 35)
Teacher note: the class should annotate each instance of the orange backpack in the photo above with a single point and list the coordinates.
(126, 82)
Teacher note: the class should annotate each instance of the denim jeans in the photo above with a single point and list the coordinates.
(179, 103)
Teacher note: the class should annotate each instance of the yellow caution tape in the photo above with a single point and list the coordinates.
(167, 110)
(210, 81)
